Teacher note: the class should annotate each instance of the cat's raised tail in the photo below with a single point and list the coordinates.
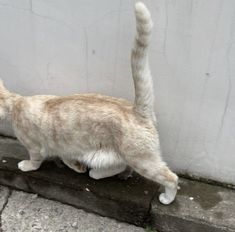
(144, 97)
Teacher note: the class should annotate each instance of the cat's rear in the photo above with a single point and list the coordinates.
(142, 148)
(104, 133)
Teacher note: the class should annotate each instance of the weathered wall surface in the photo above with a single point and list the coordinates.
(69, 46)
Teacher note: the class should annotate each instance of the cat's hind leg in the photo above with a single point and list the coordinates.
(152, 167)
(100, 173)
(33, 164)
(75, 165)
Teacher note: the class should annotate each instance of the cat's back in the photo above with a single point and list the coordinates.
(79, 118)
(94, 104)
(77, 104)
(29, 105)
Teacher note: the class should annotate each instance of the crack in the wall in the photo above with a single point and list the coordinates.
(215, 35)
(229, 79)
(9, 192)
(225, 107)
(31, 11)
(69, 26)
(49, 18)
(14, 7)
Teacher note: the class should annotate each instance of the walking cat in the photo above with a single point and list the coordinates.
(103, 133)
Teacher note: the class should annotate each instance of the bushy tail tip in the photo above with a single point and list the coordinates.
(143, 22)
(141, 11)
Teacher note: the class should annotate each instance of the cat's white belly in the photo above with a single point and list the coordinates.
(102, 159)
(92, 158)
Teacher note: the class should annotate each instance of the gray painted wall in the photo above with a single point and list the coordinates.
(69, 46)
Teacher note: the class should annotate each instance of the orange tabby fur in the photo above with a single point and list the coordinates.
(102, 133)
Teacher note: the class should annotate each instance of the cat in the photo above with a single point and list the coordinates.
(103, 133)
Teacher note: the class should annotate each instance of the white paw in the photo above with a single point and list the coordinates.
(164, 199)
(93, 174)
(26, 166)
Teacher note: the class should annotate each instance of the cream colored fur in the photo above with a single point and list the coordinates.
(102, 133)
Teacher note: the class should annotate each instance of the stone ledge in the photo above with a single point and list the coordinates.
(127, 201)
(199, 207)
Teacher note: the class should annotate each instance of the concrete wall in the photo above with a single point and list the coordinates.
(68, 46)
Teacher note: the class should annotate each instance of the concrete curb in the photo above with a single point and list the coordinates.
(127, 201)
(199, 207)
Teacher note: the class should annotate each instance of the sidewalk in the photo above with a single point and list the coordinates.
(24, 212)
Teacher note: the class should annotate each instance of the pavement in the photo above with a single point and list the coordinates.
(24, 212)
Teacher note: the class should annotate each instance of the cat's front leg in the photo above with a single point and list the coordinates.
(75, 165)
(33, 164)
